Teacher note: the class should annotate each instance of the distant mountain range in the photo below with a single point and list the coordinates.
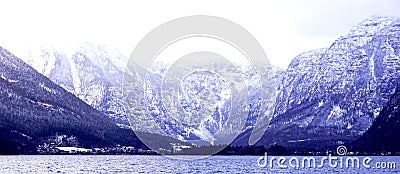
(94, 73)
(325, 98)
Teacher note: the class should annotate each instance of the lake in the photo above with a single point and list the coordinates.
(160, 164)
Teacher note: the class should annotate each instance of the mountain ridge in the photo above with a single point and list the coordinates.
(331, 96)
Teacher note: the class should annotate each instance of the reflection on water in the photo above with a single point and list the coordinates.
(157, 164)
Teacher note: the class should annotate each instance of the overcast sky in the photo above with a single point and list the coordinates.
(283, 28)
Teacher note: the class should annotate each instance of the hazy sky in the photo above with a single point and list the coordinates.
(283, 28)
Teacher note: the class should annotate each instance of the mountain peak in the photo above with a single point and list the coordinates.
(371, 25)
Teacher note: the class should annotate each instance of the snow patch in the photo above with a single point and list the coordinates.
(41, 103)
(305, 122)
(349, 126)
(376, 112)
(76, 81)
(204, 134)
(296, 141)
(45, 104)
(321, 103)
(336, 112)
(73, 149)
(24, 135)
(8, 80)
(47, 88)
(372, 65)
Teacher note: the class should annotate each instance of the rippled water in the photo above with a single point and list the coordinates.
(159, 164)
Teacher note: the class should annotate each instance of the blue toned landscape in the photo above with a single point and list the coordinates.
(346, 94)
(176, 105)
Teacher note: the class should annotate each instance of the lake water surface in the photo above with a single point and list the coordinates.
(160, 164)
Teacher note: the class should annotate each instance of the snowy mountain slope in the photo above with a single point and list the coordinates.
(33, 107)
(92, 72)
(331, 96)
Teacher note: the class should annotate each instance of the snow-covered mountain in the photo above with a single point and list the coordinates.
(331, 96)
(92, 72)
(33, 107)
(325, 97)
(95, 74)
(201, 107)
